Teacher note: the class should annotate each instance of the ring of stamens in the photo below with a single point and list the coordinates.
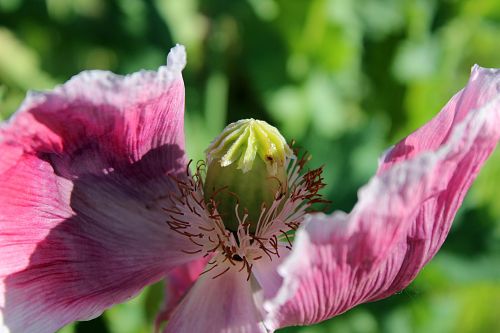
(197, 219)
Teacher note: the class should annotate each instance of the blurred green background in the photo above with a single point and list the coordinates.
(345, 79)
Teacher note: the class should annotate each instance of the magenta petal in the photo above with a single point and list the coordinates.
(223, 304)
(83, 178)
(99, 121)
(401, 219)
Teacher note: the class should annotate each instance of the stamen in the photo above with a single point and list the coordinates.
(208, 270)
(287, 239)
(191, 252)
(236, 257)
(227, 268)
(191, 215)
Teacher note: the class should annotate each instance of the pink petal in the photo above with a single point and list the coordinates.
(177, 283)
(223, 304)
(401, 219)
(83, 178)
(266, 273)
(99, 121)
(483, 86)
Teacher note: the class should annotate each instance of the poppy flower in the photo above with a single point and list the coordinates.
(97, 202)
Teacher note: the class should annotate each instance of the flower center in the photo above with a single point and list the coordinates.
(252, 199)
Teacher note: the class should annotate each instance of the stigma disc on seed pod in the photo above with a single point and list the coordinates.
(246, 168)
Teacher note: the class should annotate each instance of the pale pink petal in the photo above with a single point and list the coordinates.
(425, 238)
(400, 220)
(482, 87)
(222, 304)
(266, 273)
(82, 185)
(177, 283)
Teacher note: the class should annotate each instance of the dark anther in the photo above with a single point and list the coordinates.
(237, 257)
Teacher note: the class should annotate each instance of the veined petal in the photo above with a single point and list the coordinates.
(177, 283)
(99, 121)
(81, 194)
(223, 304)
(433, 223)
(401, 218)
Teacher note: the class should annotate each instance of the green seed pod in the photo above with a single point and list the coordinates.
(246, 166)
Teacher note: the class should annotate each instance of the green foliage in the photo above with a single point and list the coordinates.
(343, 78)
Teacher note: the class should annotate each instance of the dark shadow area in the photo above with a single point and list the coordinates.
(472, 236)
(96, 325)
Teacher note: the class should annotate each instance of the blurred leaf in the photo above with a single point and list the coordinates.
(9, 5)
(19, 65)
(216, 103)
(154, 300)
(67, 329)
(416, 60)
(129, 317)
